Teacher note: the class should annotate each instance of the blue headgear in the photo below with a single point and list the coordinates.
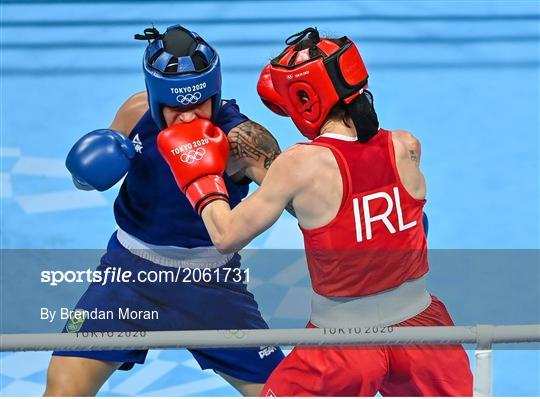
(175, 80)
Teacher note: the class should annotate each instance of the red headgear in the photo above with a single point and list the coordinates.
(306, 82)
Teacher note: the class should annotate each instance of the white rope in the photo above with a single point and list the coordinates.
(275, 337)
(483, 335)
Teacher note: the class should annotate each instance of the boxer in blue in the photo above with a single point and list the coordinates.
(158, 229)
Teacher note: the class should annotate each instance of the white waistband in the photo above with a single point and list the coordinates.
(168, 255)
(381, 309)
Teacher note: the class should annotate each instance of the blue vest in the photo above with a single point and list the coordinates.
(150, 206)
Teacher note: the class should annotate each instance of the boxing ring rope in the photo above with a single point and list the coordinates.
(481, 335)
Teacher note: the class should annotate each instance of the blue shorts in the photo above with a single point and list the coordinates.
(180, 306)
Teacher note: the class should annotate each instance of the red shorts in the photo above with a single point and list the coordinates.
(392, 370)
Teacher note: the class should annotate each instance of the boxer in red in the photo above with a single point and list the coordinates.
(358, 193)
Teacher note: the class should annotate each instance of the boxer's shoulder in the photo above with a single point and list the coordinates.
(130, 112)
(404, 141)
(311, 157)
(303, 163)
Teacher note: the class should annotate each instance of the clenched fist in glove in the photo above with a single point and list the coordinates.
(197, 154)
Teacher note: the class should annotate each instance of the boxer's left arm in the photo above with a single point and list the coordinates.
(230, 230)
(253, 149)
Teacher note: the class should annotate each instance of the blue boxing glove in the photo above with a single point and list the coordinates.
(425, 222)
(100, 159)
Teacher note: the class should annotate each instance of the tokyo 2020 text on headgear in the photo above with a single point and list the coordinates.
(312, 75)
(180, 69)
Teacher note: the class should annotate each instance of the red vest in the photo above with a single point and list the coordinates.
(376, 241)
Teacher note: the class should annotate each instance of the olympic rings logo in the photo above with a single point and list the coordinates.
(187, 99)
(193, 155)
(238, 334)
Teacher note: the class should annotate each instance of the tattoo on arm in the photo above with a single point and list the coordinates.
(251, 140)
(413, 156)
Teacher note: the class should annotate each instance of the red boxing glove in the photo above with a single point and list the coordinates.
(269, 96)
(197, 154)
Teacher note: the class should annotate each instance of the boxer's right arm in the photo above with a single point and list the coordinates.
(407, 152)
(102, 157)
(231, 230)
(130, 113)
